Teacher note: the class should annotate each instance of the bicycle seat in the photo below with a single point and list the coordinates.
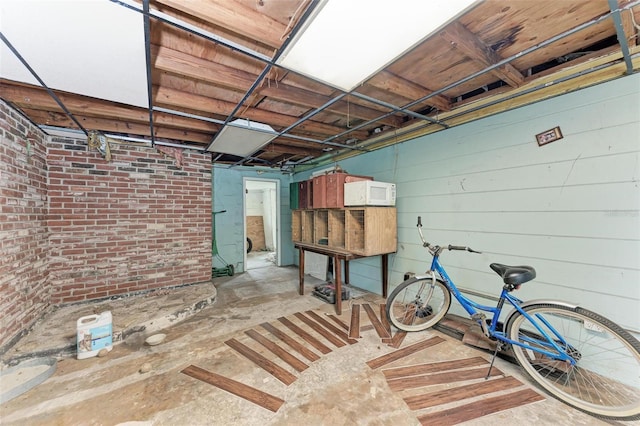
(514, 275)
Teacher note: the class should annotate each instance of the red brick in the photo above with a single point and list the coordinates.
(95, 224)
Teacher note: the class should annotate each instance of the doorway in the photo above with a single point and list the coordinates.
(261, 224)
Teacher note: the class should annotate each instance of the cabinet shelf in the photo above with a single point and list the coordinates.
(365, 231)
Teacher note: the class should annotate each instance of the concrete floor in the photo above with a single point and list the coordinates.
(260, 259)
(337, 389)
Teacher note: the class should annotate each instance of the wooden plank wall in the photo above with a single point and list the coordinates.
(255, 231)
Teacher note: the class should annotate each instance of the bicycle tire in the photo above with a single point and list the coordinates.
(604, 381)
(249, 245)
(408, 308)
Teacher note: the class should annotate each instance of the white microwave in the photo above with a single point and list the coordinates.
(369, 193)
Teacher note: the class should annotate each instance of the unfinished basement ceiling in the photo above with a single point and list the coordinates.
(213, 62)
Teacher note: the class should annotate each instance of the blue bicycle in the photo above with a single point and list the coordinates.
(578, 356)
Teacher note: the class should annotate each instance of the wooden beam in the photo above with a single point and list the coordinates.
(471, 46)
(336, 330)
(261, 361)
(277, 350)
(629, 29)
(233, 16)
(197, 68)
(302, 349)
(314, 100)
(36, 98)
(306, 336)
(249, 393)
(497, 104)
(320, 330)
(354, 326)
(107, 116)
(385, 80)
(459, 393)
(185, 65)
(423, 380)
(109, 125)
(433, 367)
(401, 353)
(383, 333)
(482, 407)
(180, 99)
(288, 149)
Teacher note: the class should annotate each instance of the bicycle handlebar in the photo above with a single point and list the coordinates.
(437, 249)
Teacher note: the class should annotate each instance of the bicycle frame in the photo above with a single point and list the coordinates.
(474, 308)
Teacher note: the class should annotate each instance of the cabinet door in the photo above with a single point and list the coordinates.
(294, 202)
(354, 230)
(320, 192)
(371, 230)
(305, 194)
(335, 188)
(381, 230)
(307, 226)
(337, 228)
(296, 226)
(321, 227)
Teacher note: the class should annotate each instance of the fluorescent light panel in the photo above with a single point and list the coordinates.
(90, 47)
(242, 138)
(347, 41)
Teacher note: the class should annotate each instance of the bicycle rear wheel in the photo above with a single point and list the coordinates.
(417, 304)
(604, 381)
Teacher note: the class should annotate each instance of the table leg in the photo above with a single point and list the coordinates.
(385, 274)
(346, 271)
(338, 282)
(301, 271)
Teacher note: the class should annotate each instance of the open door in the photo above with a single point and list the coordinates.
(261, 224)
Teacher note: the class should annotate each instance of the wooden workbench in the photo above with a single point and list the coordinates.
(338, 255)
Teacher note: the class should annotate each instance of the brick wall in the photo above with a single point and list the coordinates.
(133, 224)
(74, 227)
(24, 294)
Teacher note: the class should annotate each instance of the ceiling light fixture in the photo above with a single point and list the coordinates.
(242, 138)
(343, 43)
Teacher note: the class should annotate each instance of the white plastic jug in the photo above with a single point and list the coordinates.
(94, 334)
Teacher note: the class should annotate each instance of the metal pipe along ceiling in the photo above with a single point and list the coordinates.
(394, 109)
(270, 62)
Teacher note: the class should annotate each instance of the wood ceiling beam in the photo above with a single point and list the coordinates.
(182, 64)
(233, 16)
(628, 27)
(180, 99)
(37, 98)
(283, 158)
(314, 100)
(385, 80)
(475, 49)
(110, 125)
(288, 149)
(549, 86)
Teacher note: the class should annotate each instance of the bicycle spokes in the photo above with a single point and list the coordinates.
(593, 368)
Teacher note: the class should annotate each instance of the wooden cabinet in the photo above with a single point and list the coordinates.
(364, 231)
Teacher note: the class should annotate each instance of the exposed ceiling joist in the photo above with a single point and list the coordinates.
(459, 37)
(212, 62)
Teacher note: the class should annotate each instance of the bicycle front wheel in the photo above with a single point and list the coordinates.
(604, 381)
(417, 304)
